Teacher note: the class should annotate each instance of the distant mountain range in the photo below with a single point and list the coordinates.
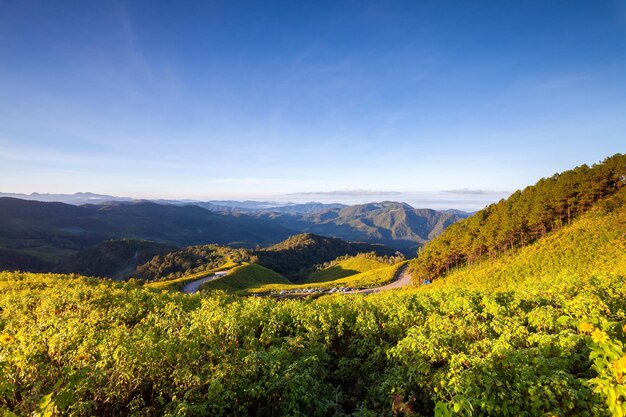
(37, 235)
(45, 236)
(76, 199)
(397, 225)
(229, 206)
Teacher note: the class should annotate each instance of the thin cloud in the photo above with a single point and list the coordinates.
(468, 191)
(351, 193)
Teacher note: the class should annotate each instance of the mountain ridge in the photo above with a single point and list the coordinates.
(393, 224)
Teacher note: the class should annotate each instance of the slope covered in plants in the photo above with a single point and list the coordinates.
(521, 219)
(593, 245)
(350, 265)
(82, 347)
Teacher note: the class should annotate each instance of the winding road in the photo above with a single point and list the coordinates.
(402, 279)
(194, 286)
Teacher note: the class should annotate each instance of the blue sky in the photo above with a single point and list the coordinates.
(255, 99)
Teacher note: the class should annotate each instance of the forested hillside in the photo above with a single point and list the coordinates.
(115, 259)
(521, 219)
(593, 245)
(47, 236)
(189, 260)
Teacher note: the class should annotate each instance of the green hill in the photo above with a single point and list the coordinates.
(293, 257)
(360, 271)
(521, 219)
(245, 277)
(346, 266)
(296, 255)
(366, 279)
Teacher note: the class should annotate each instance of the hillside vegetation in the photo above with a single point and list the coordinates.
(370, 278)
(83, 347)
(295, 257)
(360, 271)
(346, 266)
(593, 245)
(245, 278)
(521, 219)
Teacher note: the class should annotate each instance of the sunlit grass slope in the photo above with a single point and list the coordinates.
(365, 279)
(351, 266)
(593, 245)
(245, 277)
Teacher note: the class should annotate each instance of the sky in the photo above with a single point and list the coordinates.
(339, 101)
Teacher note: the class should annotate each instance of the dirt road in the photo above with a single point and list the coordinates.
(403, 278)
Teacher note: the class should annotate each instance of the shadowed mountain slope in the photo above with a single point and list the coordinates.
(44, 233)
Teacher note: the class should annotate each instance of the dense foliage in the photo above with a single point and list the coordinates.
(522, 218)
(87, 347)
